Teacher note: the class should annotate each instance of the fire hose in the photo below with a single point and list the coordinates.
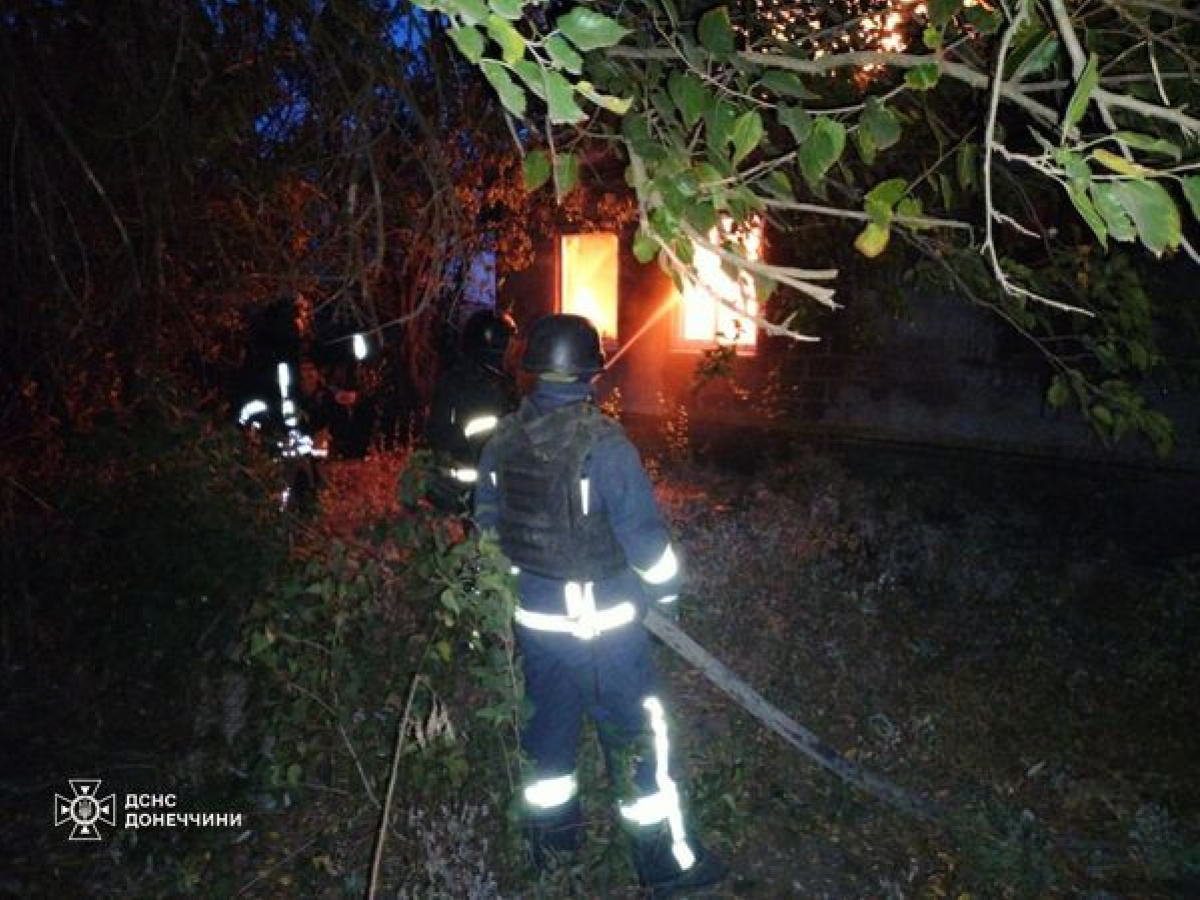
(780, 722)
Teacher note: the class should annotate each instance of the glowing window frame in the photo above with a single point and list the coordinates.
(725, 327)
(589, 279)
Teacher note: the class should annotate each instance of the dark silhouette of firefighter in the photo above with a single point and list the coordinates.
(470, 398)
(565, 493)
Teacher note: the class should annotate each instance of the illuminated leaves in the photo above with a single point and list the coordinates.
(872, 240)
(645, 247)
(822, 148)
(786, 84)
(716, 32)
(878, 129)
(512, 44)
(1120, 226)
(535, 169)
(1081, 96)
(590, 30)
(880, 205)
(1149, 143)
(512, 10)
(509, 92)
(562, 54)
(796, 120)
(923, 77)
(1153, 212)
(469, 42)
(691, 97)
(746, 135)
(560, 100)
(942, 11)
(1191, 191)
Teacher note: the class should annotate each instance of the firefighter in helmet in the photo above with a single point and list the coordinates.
(565, 493)
(468, 401)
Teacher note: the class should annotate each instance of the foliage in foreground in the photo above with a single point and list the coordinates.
(1009, 138)
(1015, 661)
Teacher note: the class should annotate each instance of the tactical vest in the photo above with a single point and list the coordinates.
(539, 462)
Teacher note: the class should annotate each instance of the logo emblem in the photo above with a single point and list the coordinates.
(84, 809)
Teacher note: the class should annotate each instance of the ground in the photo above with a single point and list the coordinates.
(1013, 645)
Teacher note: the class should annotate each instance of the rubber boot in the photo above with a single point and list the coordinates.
(660, 873)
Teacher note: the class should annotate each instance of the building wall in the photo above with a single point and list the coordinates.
(939, 372)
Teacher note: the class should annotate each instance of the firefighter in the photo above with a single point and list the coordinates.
(565, 493)
(468, 401)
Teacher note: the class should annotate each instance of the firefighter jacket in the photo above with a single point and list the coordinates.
(467, 404)
(565, 492)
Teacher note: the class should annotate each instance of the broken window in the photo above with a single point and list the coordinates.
(702, 319)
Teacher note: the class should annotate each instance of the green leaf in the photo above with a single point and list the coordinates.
(1075, 166)
(560, 100)
(945, 186)
(786, 84)
(881, 122)
(1120, 226)
(535, 169)
(510, 93)
(707, 174)
(512, 44)
(966, 164)
(1153, 212)
(590, 30)
(716, 31)
(664, 224)
(1058, 394)
(872, 240)
(1149, 143)
(1119, 164)
(1191, 191)
(923, 77)
(469, 41)
(690, 96)
(822, 149)
(882, 198)
(702, 216)
(747, 134)
(942, 11)
(985, 21)
(1037, 58)
(1085, 208)
(566, 172)
(1082, 95)
(797, 120)
(636, 130)
(645, 248)
(778, 184)
(513, 10)
(866, 146)
(719, 125)
(618, 105)
(473, 12)
(563, 54)
(533, 76)
(910, 207)
(931, 37)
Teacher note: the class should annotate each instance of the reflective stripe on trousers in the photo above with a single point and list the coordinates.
(663, 805)
(551, 793)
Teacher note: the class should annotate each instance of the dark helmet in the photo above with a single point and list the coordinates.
(565, 345)
(486, 335)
